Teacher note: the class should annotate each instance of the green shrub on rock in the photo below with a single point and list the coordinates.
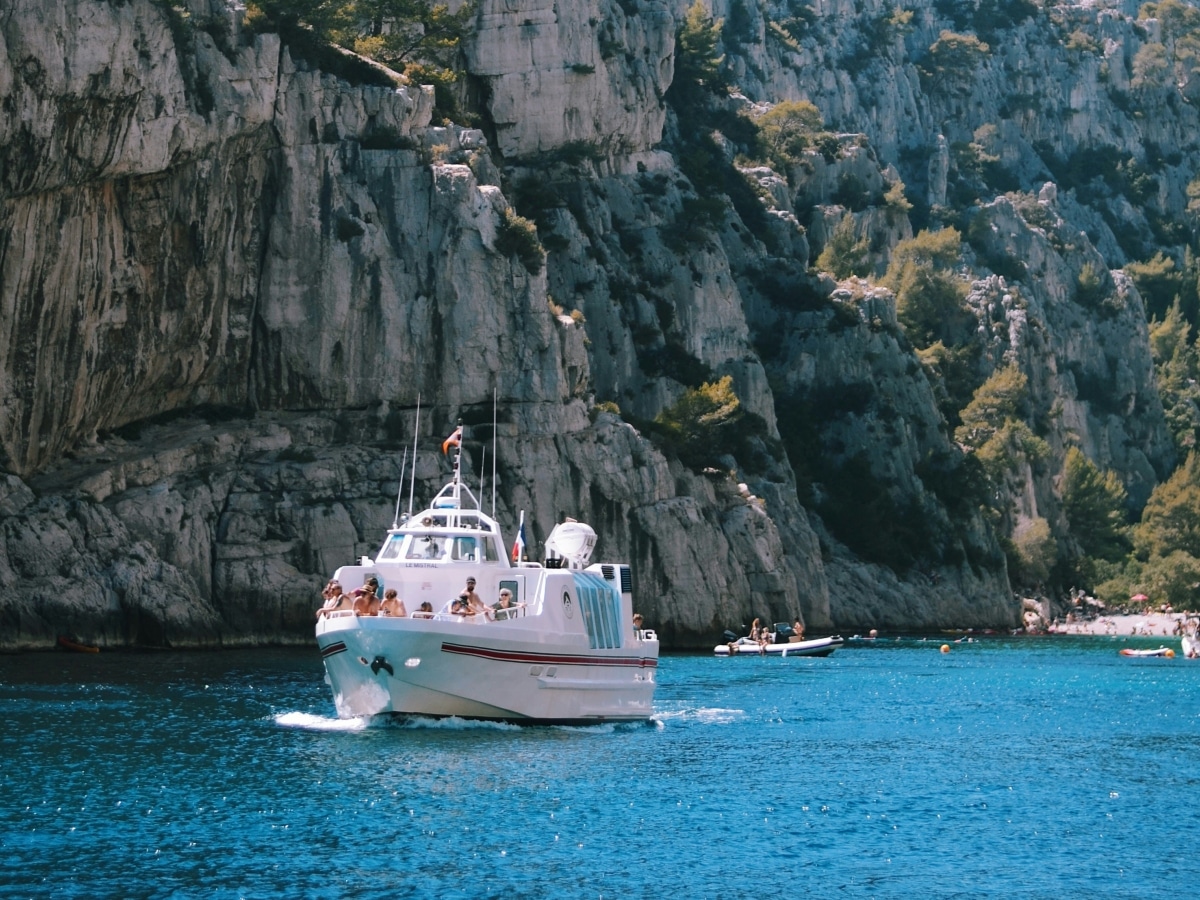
(518, 237)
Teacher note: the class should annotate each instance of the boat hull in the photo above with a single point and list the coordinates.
(497, 671)
(746, 647)
(69, 643)
(1190, 645)
(1159, 651)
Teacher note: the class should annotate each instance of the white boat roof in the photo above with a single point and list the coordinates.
(449, 509)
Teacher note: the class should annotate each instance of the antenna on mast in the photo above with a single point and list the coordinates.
(413, 482)
(495, 451)
(482, 469)
(400, 489)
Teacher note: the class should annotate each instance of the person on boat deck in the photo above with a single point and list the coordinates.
(637, 623)
(798, 627)
(505, 602)
(760, 633)
(426, 607)
(366, 603)
(474, 601)
(392, 604)
(461, 606)
(432, 550)
(334, 599)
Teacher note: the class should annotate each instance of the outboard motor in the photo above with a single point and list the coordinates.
(783, 631)
(730, 637)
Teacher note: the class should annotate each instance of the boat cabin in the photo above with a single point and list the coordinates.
(443, 541)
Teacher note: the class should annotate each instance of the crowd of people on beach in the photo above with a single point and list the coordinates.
(1166, 623)
(364, 601)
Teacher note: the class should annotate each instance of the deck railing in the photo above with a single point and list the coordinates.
(496, 615)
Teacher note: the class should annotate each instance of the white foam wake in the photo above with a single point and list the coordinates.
(309, 722)
(711, 715)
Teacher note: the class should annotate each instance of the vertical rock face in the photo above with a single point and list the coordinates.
(226, 279)
(132, 224)
(590, 73)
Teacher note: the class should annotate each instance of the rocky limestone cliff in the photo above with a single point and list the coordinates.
(307, 253)
(568, 73)
(229, 277)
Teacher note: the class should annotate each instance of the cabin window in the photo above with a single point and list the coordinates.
(464, 548)
(391, 550)
(429, 546)
(512, 586)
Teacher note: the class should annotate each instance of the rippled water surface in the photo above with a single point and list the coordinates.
(1034, 768)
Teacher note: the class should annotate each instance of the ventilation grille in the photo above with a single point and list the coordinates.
(626, 580)
(608, 572)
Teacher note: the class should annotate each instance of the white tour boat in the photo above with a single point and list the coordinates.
(747, 647)
(565, 652)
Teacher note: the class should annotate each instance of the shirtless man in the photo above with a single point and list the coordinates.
(474, 601)
(392, 605)
(367, 601)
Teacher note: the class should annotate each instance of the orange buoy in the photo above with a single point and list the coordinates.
(945, 648)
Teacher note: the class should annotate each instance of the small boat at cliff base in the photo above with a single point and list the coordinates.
(75, 645)
(1157, 651)
(565, 651)
(745, 646)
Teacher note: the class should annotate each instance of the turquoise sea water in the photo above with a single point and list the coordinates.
(1008, 767)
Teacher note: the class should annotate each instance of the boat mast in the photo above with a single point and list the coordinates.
(458, 468)
(495, 449)
(400, 489)
(413, 482)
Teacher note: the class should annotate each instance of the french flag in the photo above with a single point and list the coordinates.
(519, 544)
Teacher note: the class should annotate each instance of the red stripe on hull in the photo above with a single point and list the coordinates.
(550, 660)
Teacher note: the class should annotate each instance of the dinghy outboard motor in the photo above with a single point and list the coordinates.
(730, 637)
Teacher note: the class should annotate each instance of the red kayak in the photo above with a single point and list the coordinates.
(70, 643)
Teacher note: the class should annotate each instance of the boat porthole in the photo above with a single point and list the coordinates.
(551, 671)
(363, 660)
(535, 670)
(567, 607)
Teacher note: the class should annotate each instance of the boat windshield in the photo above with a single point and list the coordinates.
(440, 546)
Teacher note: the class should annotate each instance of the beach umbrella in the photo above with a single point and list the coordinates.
(1140, 598)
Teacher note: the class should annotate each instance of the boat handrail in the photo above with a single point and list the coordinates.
(498, 615)
(647, 634)
(474, 618)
